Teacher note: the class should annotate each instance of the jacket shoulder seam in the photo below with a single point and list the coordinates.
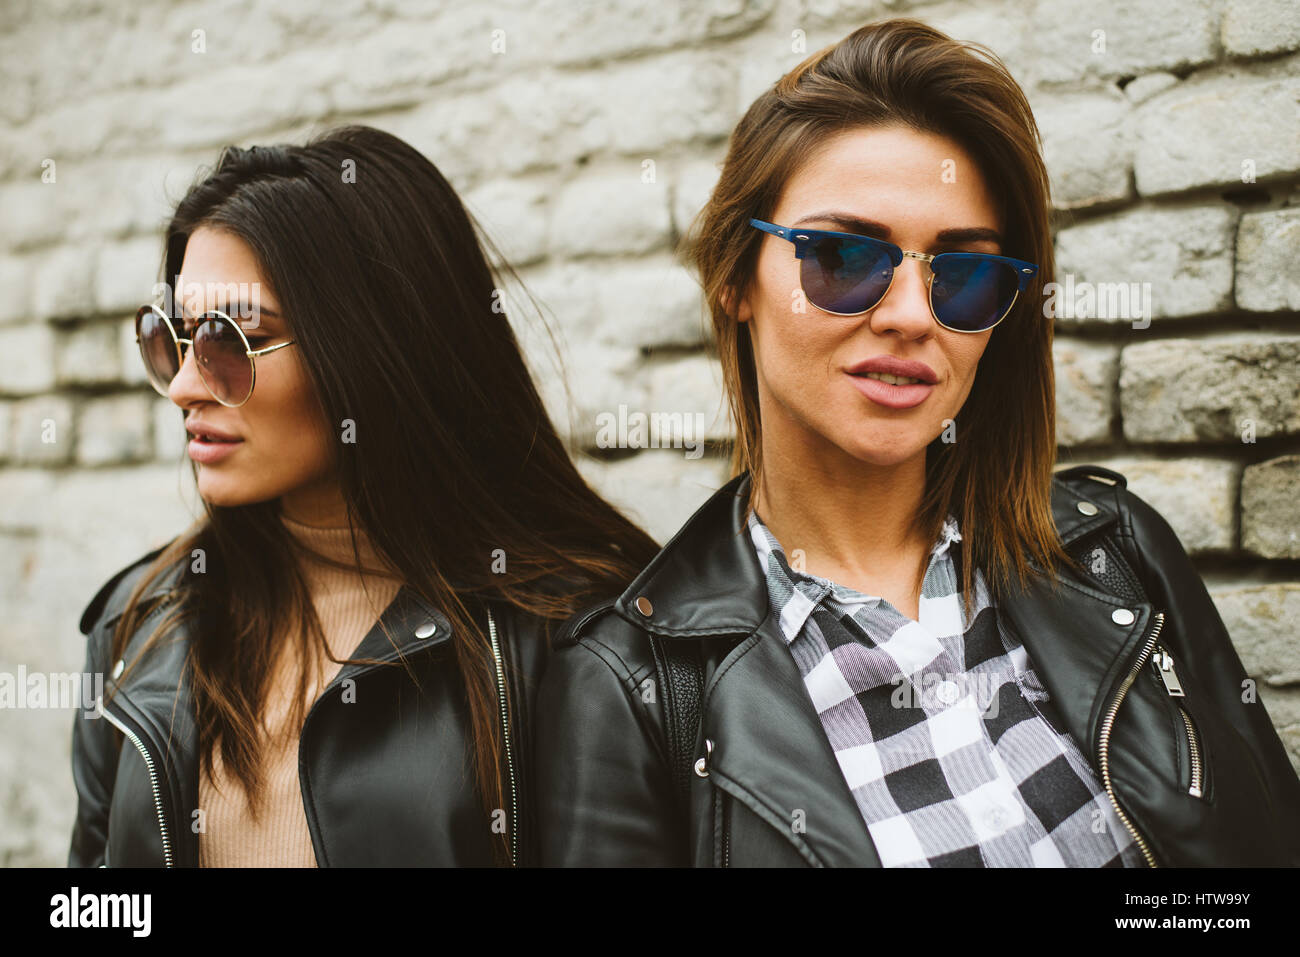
(604, 652)
(573, 630)
(626, 682)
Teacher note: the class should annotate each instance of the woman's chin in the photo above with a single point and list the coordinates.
(882, 449)
(225, 493)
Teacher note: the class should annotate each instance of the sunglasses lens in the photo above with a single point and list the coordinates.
(844, 276)
(157, 348)
(224, 365)
(971, 293)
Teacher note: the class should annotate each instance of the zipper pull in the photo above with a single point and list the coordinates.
(1164, 663)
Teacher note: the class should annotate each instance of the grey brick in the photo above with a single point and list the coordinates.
(89, 355)
(1184, 253)
(1268, 261)
(27, 358)
(1182, 133)
(1259, 27)
(1088, 146)
(1217, 389)
(1270, 508)
(1261, 620)
(610, 213)
(1085, 390)
(114, 429)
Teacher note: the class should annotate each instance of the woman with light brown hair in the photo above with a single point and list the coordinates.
(897, 638)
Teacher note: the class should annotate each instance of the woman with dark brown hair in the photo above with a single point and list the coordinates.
(897, 638)
(336, 664)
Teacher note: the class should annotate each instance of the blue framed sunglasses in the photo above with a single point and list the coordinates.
(846, 275)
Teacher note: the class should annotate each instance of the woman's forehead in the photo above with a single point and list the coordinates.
(892, 181)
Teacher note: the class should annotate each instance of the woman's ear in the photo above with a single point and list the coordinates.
(736, 306)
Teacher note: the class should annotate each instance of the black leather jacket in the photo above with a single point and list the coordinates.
(385, 778)
(605, 787)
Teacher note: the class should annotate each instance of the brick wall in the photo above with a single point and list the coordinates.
(585, 136)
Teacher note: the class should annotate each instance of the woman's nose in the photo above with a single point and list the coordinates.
(906, 306)
(187, 386)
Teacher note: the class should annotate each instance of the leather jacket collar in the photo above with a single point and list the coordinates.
(716, 586)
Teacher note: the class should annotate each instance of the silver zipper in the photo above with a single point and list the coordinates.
(1103, 739)
(1197, 770)
(505, 731)
(1164, 663)
(153, 779)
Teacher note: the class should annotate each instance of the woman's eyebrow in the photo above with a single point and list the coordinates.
(241, 312)
(244, 313)
(869, 227)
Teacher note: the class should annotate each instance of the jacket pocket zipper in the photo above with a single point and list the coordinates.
(153, 780)
(505, 733)
(1107, 723)
(1164, 665)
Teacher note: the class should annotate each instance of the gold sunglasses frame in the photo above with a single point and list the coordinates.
(178, 341)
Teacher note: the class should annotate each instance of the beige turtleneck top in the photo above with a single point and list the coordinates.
(279, 837)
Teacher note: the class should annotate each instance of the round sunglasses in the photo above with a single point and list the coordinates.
(222, 351)
(846, 275)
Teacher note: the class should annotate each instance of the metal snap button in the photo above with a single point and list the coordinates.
(644, 607)
(1122, 616)
(427, 629)
(702, 764)
(1087, 508)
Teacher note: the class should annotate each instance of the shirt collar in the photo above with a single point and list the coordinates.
(793, 594)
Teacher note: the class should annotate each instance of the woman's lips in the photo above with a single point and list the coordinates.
(892, 396)
(206, 453)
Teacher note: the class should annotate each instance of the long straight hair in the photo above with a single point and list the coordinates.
(384, 283)
(997, 480)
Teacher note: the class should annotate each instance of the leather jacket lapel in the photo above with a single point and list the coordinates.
(1074, 645)
(1083, 656)
(772, 753)
(155, 697)
(708, 583)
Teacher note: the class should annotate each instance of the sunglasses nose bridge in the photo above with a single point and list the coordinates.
(185, 347)
(925, 267)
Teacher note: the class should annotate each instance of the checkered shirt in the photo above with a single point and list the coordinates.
(949, 743)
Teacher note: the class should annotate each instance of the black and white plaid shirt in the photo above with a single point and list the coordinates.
(945, 735)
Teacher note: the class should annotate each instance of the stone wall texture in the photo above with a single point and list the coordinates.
(584, 136)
